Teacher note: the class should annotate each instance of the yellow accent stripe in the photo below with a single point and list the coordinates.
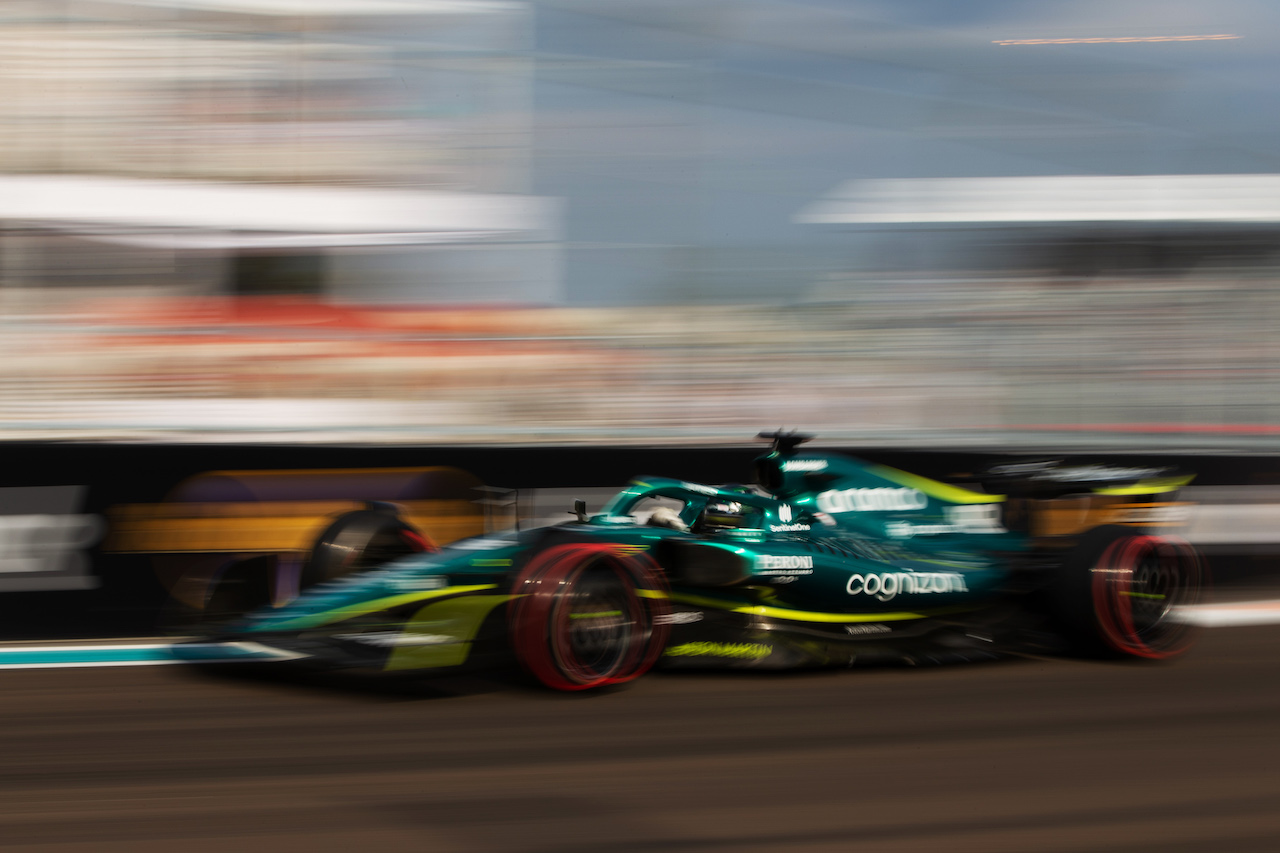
(933, 488)
(365, 607)
(459, 618)
(795, 615)
(1148, 487)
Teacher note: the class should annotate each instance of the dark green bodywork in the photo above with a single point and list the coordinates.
(840, 562)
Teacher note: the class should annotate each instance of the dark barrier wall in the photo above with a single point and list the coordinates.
(60, 576)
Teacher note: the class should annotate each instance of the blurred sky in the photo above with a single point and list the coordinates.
(692, 133)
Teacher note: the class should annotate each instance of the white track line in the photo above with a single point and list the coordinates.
(1232, 614)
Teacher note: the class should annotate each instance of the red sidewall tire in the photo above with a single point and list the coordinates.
(541, 620)
(1113, 595)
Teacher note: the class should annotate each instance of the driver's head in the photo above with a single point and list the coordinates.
(721, 515)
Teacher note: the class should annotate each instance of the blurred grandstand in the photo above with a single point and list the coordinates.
(589, 220)
(1126, 362)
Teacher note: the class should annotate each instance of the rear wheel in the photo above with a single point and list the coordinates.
(1122, 593)
(587, 615)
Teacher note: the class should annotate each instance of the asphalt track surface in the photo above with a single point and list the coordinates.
(1023, 755)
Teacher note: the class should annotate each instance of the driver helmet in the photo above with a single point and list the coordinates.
(721, 515)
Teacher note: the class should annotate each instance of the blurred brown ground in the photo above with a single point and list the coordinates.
(1046, 755)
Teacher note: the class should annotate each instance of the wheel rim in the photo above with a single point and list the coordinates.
(1154, 590)
(596, 625)
(586, 616)
(1138, 586)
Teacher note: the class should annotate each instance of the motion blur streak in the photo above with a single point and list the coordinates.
(1028, 755)
(642, 221)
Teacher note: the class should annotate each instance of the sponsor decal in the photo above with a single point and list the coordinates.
(46, 549)
(745, 651)
(701, 489)
(767, 564)
(683, 617)
(804, 465)
(783, 579)
(886, 586)
(976, 518)
(973, 518)
(862, 630)
(872, 500)
(484, 544)
(785, 515)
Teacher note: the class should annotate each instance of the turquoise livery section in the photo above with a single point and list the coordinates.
(880, 501)
(825, 560)
(32, 656)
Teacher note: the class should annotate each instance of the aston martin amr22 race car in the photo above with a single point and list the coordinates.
(825, 561)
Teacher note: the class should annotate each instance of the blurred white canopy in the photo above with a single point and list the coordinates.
(208, 215)
(1051, 199)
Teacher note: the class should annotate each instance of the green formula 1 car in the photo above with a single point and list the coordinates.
(825, 561)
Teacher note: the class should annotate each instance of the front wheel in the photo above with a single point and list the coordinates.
(1121, 593)
(209, 595)
(358, 541)
(588, 615)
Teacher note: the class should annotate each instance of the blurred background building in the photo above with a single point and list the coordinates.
(594, 219)
(349, 148)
